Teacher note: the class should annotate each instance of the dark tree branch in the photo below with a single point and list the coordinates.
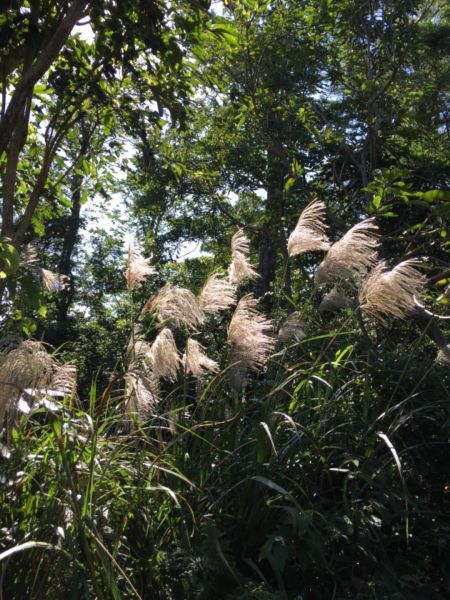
(32, 75)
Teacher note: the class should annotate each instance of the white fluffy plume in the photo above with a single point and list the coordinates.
(196, 362)
(335, 300)
(176, 305)
(292, 328)
(163, 359)
(353, 255)
(29, 259)
(50, 280)
(53, 281)
(138, 268)
(391, 291)
(310, 231)
(443, 356)
(141, 396)
(248, 335)
(240, 268)
(23, 365)
(65, 379)
(217, 294)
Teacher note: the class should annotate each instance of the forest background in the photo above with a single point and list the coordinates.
(321, 469)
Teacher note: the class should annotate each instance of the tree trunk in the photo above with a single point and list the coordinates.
(32, 74)
(271, 239)
(66, 295)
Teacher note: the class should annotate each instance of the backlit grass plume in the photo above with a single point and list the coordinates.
(240, 268)
(142, 350)
(52, 281)
(163, 358)
(25, 365)
(29, 258)
(64, 379)
(292, 328)
(217, 294)
(443, 356)
(248, 336)
(138, 268)
(196, 362)
(335, 300)
(353, 255)
(391, 291)
(177, 306)
(310, 232)
(141, 396)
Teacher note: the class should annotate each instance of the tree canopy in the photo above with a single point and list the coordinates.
(224, 291)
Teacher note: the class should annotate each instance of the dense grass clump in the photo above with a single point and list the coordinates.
(312, 465)
(320, 481)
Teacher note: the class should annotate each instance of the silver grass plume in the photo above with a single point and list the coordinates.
(53, 281)
(136, 343)
(141, 351)
(163, 357)
(353, 255)
(310, 232)
(141, 397)
(178, 306)
(443, 356)
(29, 259)
(248, 336)
(64, 379)
(335, 300)
(217, 294)
(50, 281)
(292, 328)
(138, 268)
(391, 291)
(240, 268)
(23, 365)
(196, 362)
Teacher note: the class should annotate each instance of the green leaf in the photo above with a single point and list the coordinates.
(9, 258)
(436, 196)
(289, 183)
(376, 201)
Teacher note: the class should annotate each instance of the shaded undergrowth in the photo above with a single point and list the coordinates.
(326, 478)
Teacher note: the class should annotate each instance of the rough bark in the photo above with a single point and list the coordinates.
(271, 239)
(65, 296)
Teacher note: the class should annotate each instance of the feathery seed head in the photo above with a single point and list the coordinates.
(391, 291)
(292, 328)
(352, 256)
(240, 243)
(29, 258)
(25, 365)
(163, 357)
(138, 268)
(178, 306)
(53, 281)
(217, 294)
(248, 335)
(141, 351)
(310, 232)
(65, 379)
(443, 356)
(240, 268)
(141, 397)
(196, 362)
(335, 300)
(50, 281)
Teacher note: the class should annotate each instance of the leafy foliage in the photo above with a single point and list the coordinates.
(312, 464)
